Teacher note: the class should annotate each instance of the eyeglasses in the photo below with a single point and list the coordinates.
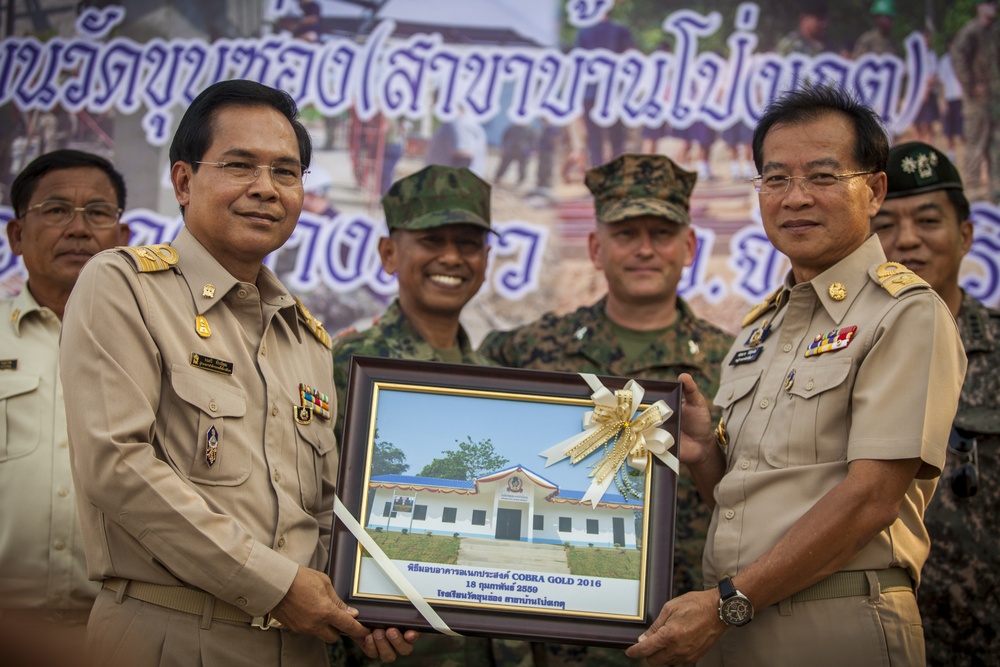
(965, 478)
(778, 184)
(284, 173)
(98, 214)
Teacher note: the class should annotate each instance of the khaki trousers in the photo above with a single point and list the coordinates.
(133, 633)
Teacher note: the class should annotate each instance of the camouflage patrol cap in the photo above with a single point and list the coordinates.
(632, 185)
(915, 168)
(437, 196)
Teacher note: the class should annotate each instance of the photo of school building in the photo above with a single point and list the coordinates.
(511, 504)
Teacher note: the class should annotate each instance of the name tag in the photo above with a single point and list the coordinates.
(746, 356)
(8, 364)
(210, 364)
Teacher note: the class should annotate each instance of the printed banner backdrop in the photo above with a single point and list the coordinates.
(527, 93)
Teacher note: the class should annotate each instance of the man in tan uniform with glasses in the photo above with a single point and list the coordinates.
(836, 398)
(200, 418)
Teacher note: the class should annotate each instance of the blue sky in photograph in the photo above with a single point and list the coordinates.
(423, 425)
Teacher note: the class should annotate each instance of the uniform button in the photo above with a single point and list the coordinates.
(787, 347)
(263, 350)
(764, 403)
(64, 444)
(810, 385)
(59, 545)
(281, 542)
(63, 492)
(241, 602)
(730, 514)
(241, 293)
(213, 406)
(274, 411)
(277, 476)
(745, 464)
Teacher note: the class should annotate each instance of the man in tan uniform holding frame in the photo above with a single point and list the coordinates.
(837, 396)
(200, 426)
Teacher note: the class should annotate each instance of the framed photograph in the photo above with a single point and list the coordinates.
(441, 466)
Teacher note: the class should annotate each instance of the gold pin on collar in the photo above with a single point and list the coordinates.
(208, 291)
(838, 292)
(201, 326)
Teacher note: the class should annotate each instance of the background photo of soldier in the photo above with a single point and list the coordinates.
(975, 59)
(67, 205)
(924, 224)
(603, 143)
(518, 143)
(809, 37)
(951, 91)
(930, 106)
(878, 39)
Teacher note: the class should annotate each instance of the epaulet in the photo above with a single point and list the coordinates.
(148, 258)
(315, 326)
(763, 306)
(896, 278)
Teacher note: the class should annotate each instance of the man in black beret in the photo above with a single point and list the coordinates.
(924, 223)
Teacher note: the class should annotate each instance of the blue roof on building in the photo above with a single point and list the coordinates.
(424, 481)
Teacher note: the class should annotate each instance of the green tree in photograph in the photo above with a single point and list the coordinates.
(469, 461)
(387, 459)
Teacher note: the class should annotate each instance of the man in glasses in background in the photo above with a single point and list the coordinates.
(200, 425)
(924, 224)
(67, 206)
(836, 398)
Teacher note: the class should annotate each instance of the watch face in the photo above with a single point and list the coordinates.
(736, 611)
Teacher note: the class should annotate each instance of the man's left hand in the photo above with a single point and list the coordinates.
(683, 632)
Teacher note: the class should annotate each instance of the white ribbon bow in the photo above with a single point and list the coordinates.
(612, 418)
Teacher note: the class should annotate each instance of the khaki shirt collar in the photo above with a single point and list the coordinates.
(23, 305)
(850, 273)
(200, 269)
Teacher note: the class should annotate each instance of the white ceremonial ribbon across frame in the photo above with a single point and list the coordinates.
(390, 569)
(613, 415)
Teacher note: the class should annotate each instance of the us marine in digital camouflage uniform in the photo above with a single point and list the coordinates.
(924, 224)
(640, 329)
(438, 220)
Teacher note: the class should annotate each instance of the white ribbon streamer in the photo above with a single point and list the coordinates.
(390, 569)
(649, 438)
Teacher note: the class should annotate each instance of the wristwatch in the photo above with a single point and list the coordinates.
(734, 607)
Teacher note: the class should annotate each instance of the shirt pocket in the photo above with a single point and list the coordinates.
(734, 408)
(218, 406)
(20, 416)
(819, 423)
(315, 442)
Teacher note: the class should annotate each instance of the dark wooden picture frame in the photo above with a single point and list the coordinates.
(654, 523)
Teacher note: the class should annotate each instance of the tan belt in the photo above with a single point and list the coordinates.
(188, 600)
(855, 582)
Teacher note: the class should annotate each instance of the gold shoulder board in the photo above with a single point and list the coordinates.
(896, 278)
(315, 326)
(147, 258)
(762, 307)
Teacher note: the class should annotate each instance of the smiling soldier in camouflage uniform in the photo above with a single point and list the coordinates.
(641, 329)
(438, 220)
(924, 224)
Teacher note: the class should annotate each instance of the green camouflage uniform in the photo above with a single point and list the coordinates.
(961, 580)
(392, 337)
(873, 41)
(794, 42)
(584, 342)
